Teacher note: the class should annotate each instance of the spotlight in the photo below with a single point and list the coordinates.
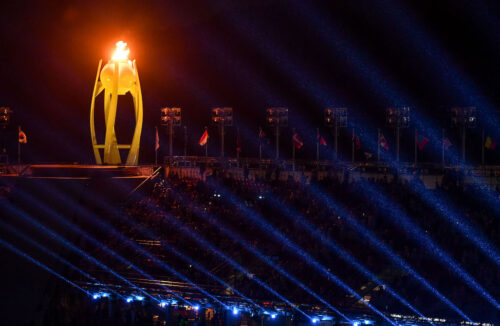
(273, 316)
(355, 323)
(129, 299)
(163, 304)
(95, 296)
(196, 308)
(235, 311)
(315, 320)
(367, 322)
(104, 295)
(139, 298)
(222, 117)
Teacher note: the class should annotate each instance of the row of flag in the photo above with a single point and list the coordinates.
(420, 141)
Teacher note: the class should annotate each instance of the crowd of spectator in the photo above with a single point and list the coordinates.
(222, 216)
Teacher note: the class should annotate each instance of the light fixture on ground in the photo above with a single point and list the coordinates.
(118, 77)
(335, 118)
(277, 118)
(171, 117)
(222, 117)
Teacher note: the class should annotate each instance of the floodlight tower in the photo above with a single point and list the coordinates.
(170, 117)
(398, 118)
(222, 117)
(118, 77)
(463, 118)
(277, 117)
(335, 118)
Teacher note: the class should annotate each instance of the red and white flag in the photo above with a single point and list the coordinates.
(297, 141)
(321, 140)
(204, 138)
(23, 139)
(356, 141)
(383, 142)
(238, 144)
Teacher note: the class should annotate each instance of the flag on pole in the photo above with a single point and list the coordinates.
(238, 144)
(421, 141)
(321, 140)
(297, 141)
(204, 138)
(447, 143)
(383, 142)
(490, 143)
(23, 139)
(157, 140)
(357, 142)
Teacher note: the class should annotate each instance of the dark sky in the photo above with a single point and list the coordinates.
(305, 55)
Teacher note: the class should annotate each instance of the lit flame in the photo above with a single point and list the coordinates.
(121, 53)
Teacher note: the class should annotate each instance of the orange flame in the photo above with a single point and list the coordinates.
(121, 52)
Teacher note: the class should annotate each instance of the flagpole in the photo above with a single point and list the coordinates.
(238, 145)
(185, 141)
(336, 139)
(352, 145)
(277, 141)
(397, 143)
(206, 145)
(260, 145)
(293, 152)
(442, 147)
(463, 144)
(482, 148)
(171, 136)
(378, 146)
(156, 149)
(222, 138)
(416, 153)
(317, 144)
(18, 147)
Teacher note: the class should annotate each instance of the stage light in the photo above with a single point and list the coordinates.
(273, 316)
(367, 322)
(104, 295)
(356, 323)
(463, 118)
(171, 117)
(95, 296)
(397, 118)
(196, 308)
(277, 118)
(235, 311)
(139, 298)
(163, 304)
(315, 320)
(222, 117)
(129, 299)
(335, 118)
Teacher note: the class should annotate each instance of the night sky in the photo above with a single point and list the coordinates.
(364, 55)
